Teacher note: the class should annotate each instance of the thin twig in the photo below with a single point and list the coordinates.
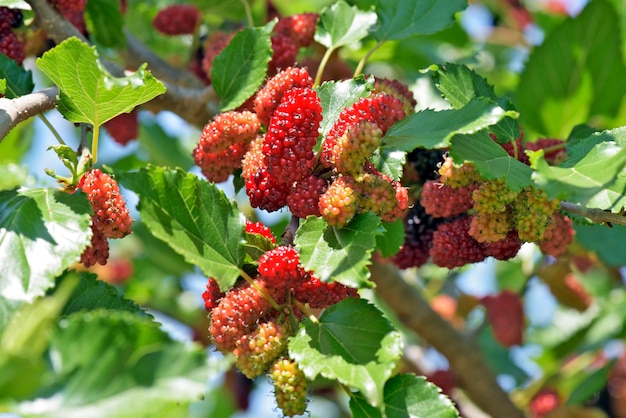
(598, 216)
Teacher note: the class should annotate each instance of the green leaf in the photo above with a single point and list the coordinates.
(460, 85)
(240, 68)
(352, 343)
(162, 149)
(389, 242)
(257, 245)
(104, 22)
(91, 293)
(339, 254)
(14, 175)
(389, 161)
(490, 159)
(16, 4)
(592, 175)
(600, 237)
(408, 395)
(575, 74)
(193, 217)
(341, 24)
(120, 351)
(18, 81)
(399, 19)
(42, 232)
(88, 92)
(434, 129)
(360, 407)
(336, 95)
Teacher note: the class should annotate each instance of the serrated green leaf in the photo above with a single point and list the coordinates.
(389, 242)
(42, 232)
(399, 19)
(353, 343)
(490, 159)
(257, 245)
(240, 68)
(360, 407)
(339, 254)
(193, 217)
(389, 161)
(575, 73)
(341, 24)
(88, 92)
(460, 85)
(337, 95)
(434, 129)
(91, 293)
(104, 22)
(592, 175)
(408, 395)
(120, 351)
(18, 80)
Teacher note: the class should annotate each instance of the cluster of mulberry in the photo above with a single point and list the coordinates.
(479, 218)
(10, 44)
(110, 219)
(253, 320)
(274, 145)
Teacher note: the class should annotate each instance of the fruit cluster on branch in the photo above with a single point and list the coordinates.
(254, 319)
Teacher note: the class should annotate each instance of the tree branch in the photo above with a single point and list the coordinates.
(14, 111)
(462, 353)
(195, 103)
(598, 216)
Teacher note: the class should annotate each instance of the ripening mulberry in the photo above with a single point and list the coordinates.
(177, 19)
(338, 204)
(419, 229)
(266, 191)
(492, 196)
(111, 216)
(12, 47)
(544, 402)
(290, 386)
(320, 294)
(443, 201)
(280, 267)
(270, 95)
(458, 175)
(354, 146)
(237, 314)
(505, 248)
(490, 227)
(214, 44)
(533, 211)
(398, 90)
(259, 228)
(291, 136)
(452, 246)
(505, 313)
(303, 199)
(559, 234)
(123, 128)
(299, 27)
(256, 351)
(72, 10)
(284, 53)
(212, 295)
(98, 251)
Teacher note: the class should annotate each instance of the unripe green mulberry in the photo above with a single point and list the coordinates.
(290, 386)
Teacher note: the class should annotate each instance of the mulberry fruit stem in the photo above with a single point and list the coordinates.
(94, 144)
(46, 122)
(261, 291)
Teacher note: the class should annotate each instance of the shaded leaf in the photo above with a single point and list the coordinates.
(389, 161)
(434, 129)
(88, 92)
(104, 22)
(593, 174)
(163, 149)
(408, 395)
(353, 343)
(575, 74)
(389, 242)
(600, 237)
(360, 407)
(399, 19)
(240, 68)
(42, 232)
(339, 254)
(341, 24)
(193, 217)
(18, 80)
(490, 159)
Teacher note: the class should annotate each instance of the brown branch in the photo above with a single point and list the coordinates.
(14, 111)
(196, 104)
(598, 216)
(462, 353)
